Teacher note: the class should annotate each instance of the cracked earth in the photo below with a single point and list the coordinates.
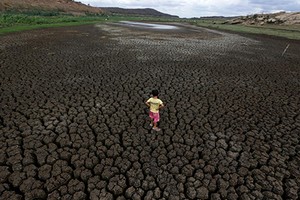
(73, 123)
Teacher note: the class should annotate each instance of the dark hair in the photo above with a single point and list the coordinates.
(154, 92)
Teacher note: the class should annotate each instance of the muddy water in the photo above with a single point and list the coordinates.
(149, 25)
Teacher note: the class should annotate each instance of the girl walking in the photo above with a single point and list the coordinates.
(154, 103)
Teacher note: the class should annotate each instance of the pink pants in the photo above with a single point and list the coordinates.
(154, 116)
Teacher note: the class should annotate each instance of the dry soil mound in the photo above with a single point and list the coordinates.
(68, 6)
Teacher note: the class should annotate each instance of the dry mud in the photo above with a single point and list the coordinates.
(73, 123)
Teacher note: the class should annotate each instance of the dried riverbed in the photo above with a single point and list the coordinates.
(73, 124)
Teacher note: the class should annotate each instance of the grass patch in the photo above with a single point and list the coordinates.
(9, 20)
(13, 22)
(39, 26)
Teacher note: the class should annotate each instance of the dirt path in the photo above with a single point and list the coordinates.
(73, 124)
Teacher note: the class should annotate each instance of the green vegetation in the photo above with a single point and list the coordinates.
(13, 21)
(287, 31)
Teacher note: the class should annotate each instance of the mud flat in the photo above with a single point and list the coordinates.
(73, 124)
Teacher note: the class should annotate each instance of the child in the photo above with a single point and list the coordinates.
(155, 104)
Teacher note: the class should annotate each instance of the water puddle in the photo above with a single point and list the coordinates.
(149, 25)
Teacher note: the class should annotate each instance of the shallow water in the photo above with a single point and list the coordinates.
(149, 25)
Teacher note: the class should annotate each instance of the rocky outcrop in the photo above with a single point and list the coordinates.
(289, 18)
(261, 19)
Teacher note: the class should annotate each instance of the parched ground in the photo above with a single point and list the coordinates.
(73, 123)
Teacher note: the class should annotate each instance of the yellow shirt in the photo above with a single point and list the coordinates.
(154, 104)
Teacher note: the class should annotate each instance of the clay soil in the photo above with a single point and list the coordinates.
(68, 6)
(73, 123)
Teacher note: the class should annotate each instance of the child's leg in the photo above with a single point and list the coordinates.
(151, 123)
(155, 120)
(155, 127)
(151, 118)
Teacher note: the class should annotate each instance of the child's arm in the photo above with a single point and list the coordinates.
(161, 106)
(148, 104)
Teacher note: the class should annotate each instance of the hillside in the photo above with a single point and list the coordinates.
(64, 6)
(283, 18)
(137, 11)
